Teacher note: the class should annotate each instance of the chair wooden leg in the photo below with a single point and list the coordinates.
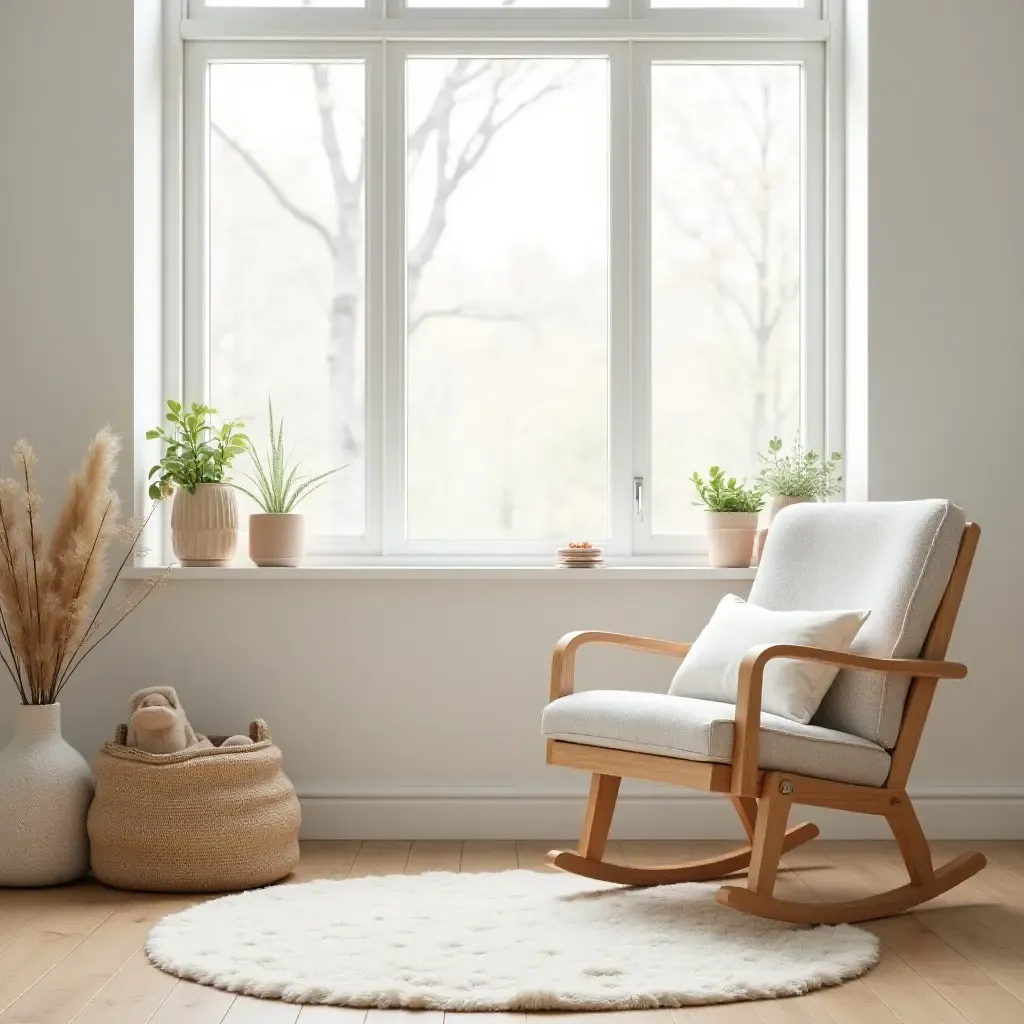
(746, 808)
(769, 836)
(604, 791)
(779, 793)
(911, 840)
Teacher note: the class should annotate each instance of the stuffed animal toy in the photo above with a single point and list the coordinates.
(237, 740)
(158, 724)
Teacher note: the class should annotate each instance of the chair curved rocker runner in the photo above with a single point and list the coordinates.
(908, 562)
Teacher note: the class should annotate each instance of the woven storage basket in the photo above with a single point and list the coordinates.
(211, 820)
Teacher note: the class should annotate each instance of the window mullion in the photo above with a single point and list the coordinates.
(834, 228)
(195, 377)
(394, 318)
(620, 399)
(812, 275)
(375, 325)
(640, 262)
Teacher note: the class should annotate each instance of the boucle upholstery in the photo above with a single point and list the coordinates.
(702, 730)
(894, 558)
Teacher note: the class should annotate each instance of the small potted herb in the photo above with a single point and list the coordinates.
(797, 477)
(204, 517)
(731, 518)
(277, 534)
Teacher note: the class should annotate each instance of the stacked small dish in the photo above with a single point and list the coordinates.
(579, 555)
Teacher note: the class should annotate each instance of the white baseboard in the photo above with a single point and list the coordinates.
(950, 812)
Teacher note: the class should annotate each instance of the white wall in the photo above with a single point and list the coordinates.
(946, 332)
(415, 705)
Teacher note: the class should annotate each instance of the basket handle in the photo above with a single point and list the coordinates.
(258, 730)
(121, 735)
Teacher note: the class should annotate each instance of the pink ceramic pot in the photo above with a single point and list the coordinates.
(277, 539)
(731, 539)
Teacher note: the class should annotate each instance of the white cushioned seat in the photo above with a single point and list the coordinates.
(702, 730)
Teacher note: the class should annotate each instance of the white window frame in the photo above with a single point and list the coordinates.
(631, 35)
(394, 19)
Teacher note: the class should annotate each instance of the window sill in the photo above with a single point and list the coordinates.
(482, 573)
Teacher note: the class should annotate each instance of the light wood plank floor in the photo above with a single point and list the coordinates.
(74, 953)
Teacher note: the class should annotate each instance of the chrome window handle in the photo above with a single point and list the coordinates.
(638, 497)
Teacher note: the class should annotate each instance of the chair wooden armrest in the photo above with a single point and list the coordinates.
(751, 680)
(563, 660)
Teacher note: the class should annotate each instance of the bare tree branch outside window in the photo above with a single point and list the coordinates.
(746, 221)
(727, 230)
(505, 88)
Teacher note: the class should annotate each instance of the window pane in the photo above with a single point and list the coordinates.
(507, 351)
(286, 266)
(725, 318)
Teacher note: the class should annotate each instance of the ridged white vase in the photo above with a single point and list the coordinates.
(45, 791)
(204, 525)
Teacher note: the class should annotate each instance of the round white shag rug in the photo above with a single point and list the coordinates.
(515, 940)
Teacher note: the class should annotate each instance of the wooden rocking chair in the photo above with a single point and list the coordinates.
(908, 563)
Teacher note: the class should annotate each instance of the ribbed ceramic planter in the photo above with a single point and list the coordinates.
(777, 503)
(45, 791)
(277, 538)
(731, 539)
(204, 525)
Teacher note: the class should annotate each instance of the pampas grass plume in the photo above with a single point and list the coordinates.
(48, 622)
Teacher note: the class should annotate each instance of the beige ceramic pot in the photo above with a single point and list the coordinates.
(204, 525)
(731, 539)
(277, 539)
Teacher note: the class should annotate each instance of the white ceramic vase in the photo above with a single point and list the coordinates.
(45, 791)
(204, 525)
(731, 539)
(277, 539)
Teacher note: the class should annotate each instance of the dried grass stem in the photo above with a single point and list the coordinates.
(48, 622)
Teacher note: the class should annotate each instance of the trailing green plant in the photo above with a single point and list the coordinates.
(197, 452)
(800, 473)
(279, 488)
(724, 494)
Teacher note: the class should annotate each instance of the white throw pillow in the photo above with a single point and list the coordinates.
(792, 689)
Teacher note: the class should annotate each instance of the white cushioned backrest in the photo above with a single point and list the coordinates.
(892, 557)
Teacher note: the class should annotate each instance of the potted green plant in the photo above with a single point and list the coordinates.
(277, 535)
(796, 477)
(204, 517)
(731, 513)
